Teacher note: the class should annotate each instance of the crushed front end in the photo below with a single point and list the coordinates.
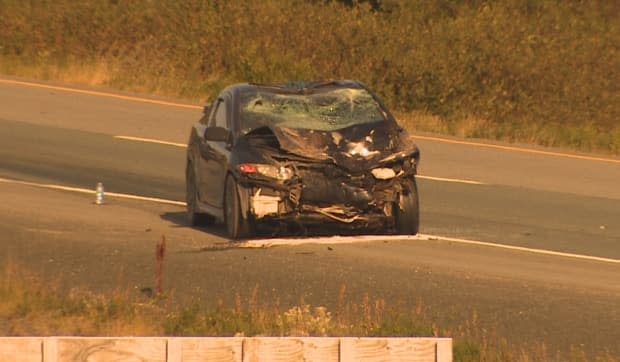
(306, 191)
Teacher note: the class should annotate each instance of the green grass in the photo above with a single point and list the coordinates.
(543, 72)
(29, 307)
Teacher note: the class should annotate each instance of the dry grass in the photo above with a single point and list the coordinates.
(545, 72)
(27, 307)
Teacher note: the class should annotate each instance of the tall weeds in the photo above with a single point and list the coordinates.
(534, 71)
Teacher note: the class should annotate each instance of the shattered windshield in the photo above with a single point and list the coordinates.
(327, 110)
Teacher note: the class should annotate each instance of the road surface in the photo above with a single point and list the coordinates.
(494, 193)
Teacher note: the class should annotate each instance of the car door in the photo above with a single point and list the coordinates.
(213, 160)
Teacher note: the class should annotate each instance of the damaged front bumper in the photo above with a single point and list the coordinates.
(325, 193)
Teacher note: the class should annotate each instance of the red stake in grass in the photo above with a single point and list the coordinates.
(160, 254)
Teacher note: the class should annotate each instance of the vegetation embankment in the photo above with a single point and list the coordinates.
(543, 72)
(29, 307)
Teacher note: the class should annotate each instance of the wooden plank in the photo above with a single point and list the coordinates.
(290, 349)
(111, 349)
(21, 349)
(321, 349)
(50, 349)
(174, 350)
(210, 349)
(444, 350)
(387, 349)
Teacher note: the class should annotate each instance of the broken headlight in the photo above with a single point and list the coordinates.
(279, 173)
(383, 173)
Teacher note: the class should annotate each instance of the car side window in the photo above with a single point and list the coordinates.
(220, 115)
(204, 120)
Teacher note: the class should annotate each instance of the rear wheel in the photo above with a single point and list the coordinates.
(236, 226)
(194, 217)
(407, 212)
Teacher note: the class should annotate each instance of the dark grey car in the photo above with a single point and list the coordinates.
(291, 156)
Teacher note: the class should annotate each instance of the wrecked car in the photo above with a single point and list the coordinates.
(291, 156)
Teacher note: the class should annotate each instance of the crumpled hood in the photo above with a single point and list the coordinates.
(356, 148)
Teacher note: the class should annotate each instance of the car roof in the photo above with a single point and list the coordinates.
(294, 86)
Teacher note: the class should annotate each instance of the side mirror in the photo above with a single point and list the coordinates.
(217, 134)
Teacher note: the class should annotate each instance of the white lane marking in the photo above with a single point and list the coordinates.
(100, 94)
(144, 198)
(331, 240)
(519, 248)
(519, 149)
(469, 182)
(149, 140)
(87, 191)
(264, 243)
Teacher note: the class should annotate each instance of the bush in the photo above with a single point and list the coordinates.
(519, 66)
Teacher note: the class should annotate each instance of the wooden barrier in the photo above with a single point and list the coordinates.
(237, 349)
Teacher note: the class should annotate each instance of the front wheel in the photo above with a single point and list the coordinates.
(407, 212)
(236, 226)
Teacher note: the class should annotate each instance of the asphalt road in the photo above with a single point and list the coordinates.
(551, 202)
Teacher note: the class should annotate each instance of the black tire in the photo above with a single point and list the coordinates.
(194, 218)
(236, 226)
(407, 213)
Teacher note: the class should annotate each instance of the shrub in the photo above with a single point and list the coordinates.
(518, 65)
